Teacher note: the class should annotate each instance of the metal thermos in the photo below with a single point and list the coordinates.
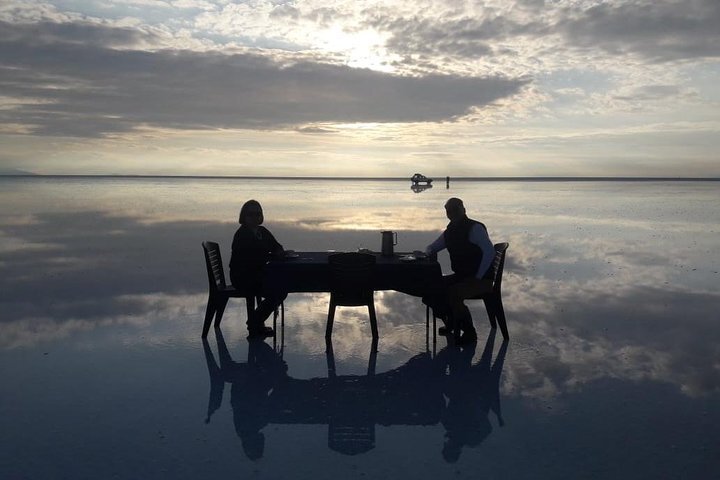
(389, 239)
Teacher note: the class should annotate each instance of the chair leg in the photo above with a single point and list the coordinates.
(501, 317)
(490, 311)
(329, 357)
(372, 361)
(275, 316)
(282, 326)
(221, 303)
(330, 320)
(249, 307)
(209, 314)
(427, 328)
(373, 319)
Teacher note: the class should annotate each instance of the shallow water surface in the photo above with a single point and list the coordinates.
(610, 291)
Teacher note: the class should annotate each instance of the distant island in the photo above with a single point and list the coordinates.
(14, 172)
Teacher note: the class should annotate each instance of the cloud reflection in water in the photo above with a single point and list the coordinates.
(589, 295)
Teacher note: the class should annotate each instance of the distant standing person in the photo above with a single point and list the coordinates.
(253, 245)
(471, 254)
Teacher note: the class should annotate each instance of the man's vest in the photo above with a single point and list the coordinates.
(465, 256)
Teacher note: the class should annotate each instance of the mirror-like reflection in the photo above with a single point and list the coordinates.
(445, 388)
(610, 291)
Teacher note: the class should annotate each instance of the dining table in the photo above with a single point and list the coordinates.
(310, 272)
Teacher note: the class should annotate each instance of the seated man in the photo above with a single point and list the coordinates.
(253, 245)
(471, 254)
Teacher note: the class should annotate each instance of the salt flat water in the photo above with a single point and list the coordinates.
(611, 291)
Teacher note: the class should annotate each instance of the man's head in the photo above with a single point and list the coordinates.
(454, 209)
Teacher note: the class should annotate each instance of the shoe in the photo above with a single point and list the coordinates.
(444, 331)
(467, 338)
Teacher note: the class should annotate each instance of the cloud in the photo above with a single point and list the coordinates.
(657, 31)
(316, 129)
(464, 37)
(92, 88)
(538, 34)
(37, 35)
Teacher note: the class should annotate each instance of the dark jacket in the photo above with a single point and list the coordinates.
(465, 256)
(250, 252)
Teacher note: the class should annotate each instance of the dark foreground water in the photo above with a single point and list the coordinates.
(612, 371)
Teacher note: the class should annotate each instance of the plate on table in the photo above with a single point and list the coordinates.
(408, 258)
(291, 254)
(420, 255)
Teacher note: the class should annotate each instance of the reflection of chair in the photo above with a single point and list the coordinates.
(350, 408)
(219, 292)
(352, 275)
(492, 298)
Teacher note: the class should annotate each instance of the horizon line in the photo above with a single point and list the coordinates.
(363, 178)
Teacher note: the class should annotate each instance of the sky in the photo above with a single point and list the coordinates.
(361, 87)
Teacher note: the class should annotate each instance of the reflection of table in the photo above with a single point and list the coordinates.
(446, 389)
(310, 272)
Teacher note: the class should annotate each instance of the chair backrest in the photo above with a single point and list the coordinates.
(499, 264)
(213, 262)
(352, 276)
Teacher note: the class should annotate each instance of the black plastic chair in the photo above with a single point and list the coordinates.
(219, 292)
(352, 286)
(493, 298)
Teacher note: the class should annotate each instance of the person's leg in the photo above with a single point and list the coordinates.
(440, 305)
(252, 288)
(266, 307)
(457, 294)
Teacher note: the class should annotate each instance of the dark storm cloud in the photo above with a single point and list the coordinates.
(87, 89)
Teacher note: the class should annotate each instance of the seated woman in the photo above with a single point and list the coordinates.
(253, 245)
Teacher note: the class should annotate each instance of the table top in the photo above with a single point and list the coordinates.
(322, 257)
(310, 272)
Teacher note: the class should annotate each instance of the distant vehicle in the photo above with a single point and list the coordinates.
(417, 188)
(420, 178)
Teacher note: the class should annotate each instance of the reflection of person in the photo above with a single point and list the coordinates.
(472, 391)
(250, 396)
(253, 245)
(252, 383)
(471, 254)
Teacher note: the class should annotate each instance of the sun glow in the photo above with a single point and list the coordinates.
(363, 49)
